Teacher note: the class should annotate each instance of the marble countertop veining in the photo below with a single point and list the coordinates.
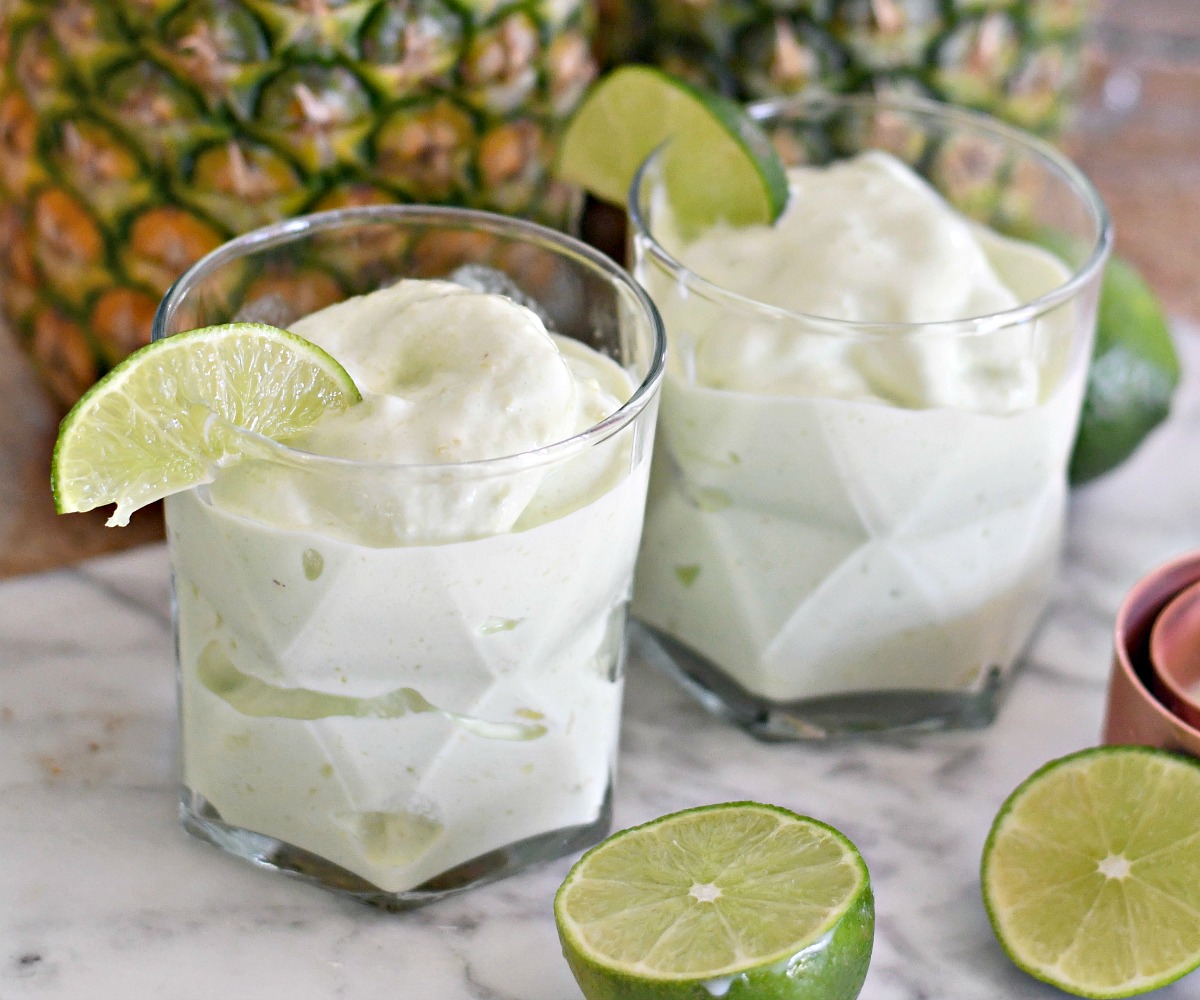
(103, 896)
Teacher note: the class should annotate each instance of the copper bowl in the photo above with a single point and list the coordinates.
(1136, 712)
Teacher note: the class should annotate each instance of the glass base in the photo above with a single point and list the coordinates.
(201, 820)
(828, 716)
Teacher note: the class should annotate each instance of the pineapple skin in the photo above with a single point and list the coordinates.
(1015, 59)
(137, 135)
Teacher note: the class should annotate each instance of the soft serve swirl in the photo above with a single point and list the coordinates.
(450, 377)
(867, 241)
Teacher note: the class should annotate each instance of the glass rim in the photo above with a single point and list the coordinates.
(965, 119)
(279, 233)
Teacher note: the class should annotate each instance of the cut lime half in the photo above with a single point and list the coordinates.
(719, 165)
(1091, 873)
(737, 900)
(168, 416)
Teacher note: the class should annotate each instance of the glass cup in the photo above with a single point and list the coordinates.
(869, 546)
(401, 681)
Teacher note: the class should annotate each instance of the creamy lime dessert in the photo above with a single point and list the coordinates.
(401, 655)
(860, 483)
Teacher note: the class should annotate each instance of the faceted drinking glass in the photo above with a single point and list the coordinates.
(400, 681)
(816, 562)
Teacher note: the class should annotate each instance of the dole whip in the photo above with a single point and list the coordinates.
(401, 667)
(841, 509)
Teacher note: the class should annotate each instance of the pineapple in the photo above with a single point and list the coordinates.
(137, 135)
(1016, 59)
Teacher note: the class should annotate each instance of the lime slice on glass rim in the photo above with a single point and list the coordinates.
(719, 164)
(1091, 872)
(171, 413)
(736, 900)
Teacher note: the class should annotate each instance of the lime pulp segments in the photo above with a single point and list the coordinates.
(737, 900)
(168, 416)
(1091, 873)
(719, 165)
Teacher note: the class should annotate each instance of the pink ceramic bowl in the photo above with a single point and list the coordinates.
(1175, 654)
(1135, 714)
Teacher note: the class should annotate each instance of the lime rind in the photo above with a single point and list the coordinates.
(719, 164)
(999, 912)
(168, 416)
(1134, 369)
(769, 170)
(1132, 378)
(826, 957)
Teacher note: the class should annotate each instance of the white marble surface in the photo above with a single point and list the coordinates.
(103, 896)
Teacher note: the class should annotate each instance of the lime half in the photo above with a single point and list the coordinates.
(736, 900)
(720, 166)
(168, 416)
(1091, 874)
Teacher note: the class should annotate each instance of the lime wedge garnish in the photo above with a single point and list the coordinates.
(734, 900)
(1090, 871)
(168, 416)
(719, 165)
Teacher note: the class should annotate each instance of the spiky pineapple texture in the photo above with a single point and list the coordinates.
(136, 135)
(1017, 59)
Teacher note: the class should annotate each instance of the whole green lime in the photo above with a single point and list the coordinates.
(1133, 374)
